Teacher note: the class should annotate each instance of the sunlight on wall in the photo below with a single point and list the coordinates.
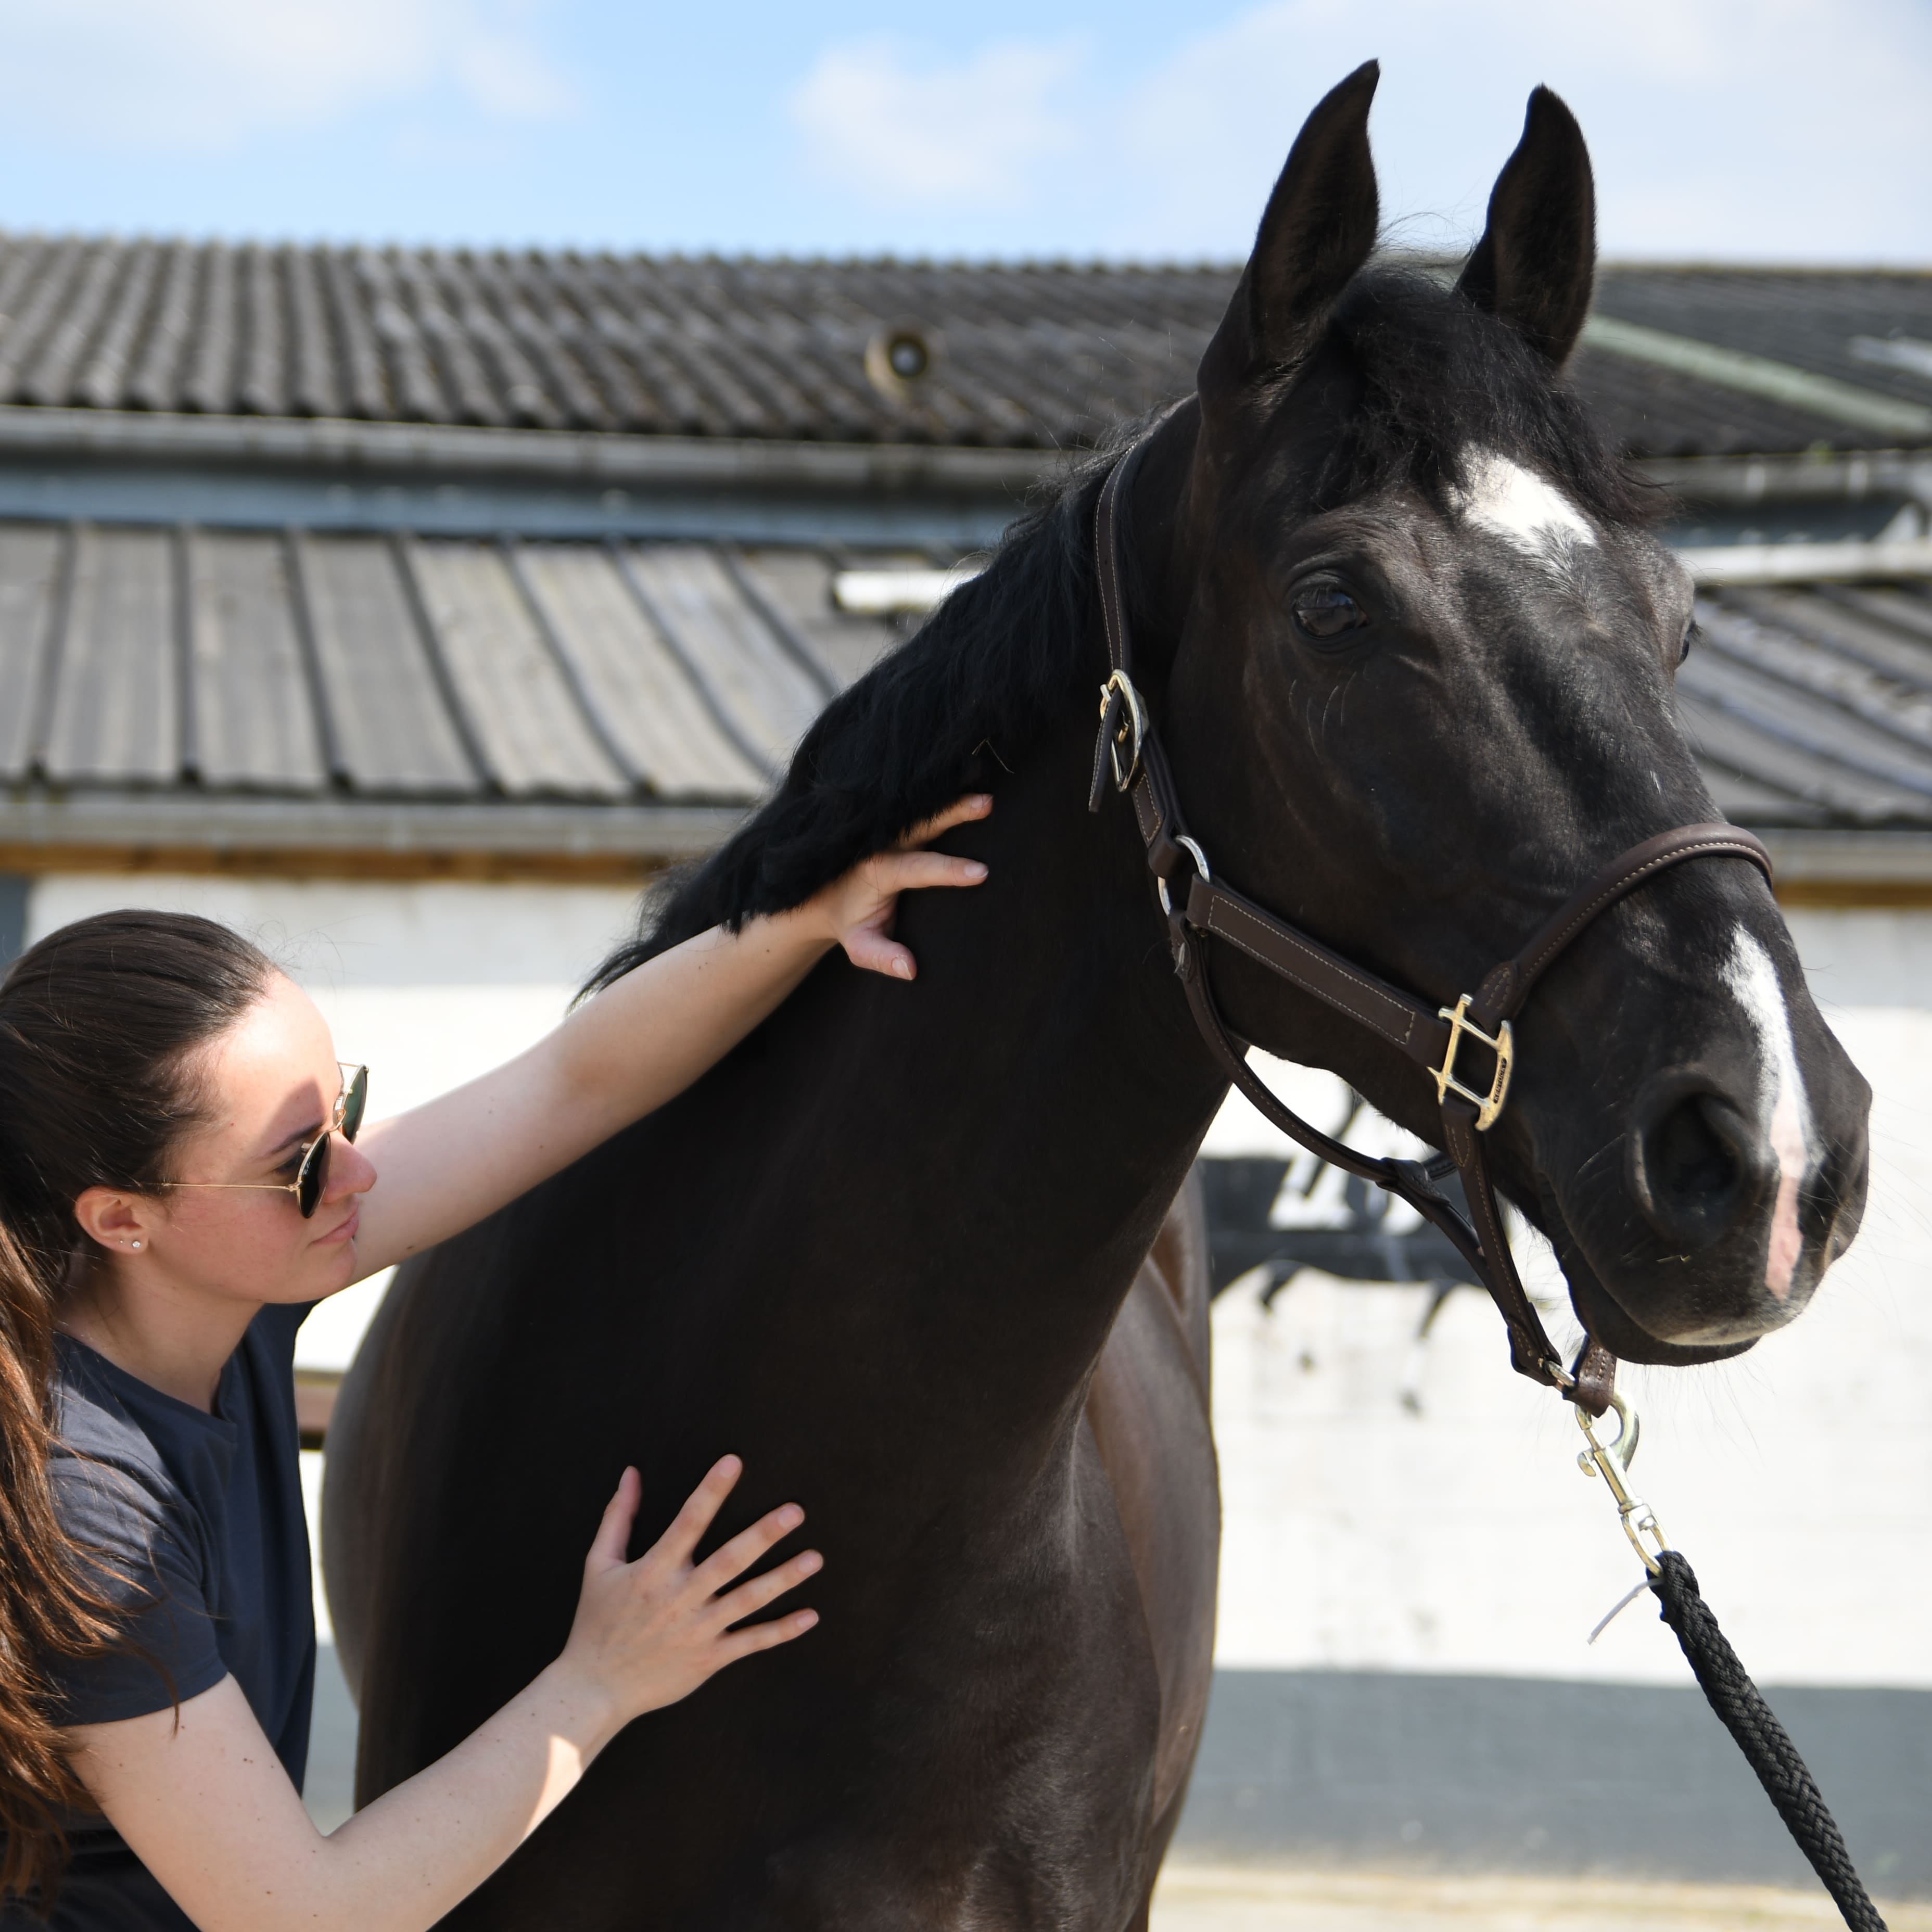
(1359, 1533)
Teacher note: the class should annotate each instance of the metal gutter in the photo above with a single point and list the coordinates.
(1823, 396)
(40, 832)
(1745, 480)
(590, 458)
(1813, 859)
(241, 823)
(1850, 562)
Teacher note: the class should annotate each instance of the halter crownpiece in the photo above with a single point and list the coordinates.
(1129, 751)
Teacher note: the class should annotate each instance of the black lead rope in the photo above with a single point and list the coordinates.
(1767, 1748)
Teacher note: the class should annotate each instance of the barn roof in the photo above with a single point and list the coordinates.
(316, 691)
(305, 691)
(1684, 361)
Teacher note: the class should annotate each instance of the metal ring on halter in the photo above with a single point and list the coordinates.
(1200, 859)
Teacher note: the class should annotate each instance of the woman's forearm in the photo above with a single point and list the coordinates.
(445, 1165)
(403, 1861)
(198, 1794)
(648, 1036)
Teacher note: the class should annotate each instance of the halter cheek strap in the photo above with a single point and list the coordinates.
(1448, 1043)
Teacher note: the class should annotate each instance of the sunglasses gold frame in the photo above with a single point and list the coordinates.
(345, 1118)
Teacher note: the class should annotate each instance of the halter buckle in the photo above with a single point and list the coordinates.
(1501, 1043)
(1130, 730)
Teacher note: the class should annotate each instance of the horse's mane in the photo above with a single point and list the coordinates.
(996, 664)
(1005, 657)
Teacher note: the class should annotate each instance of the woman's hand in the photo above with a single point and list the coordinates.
(858, 907)
(649, 1633)
(197, 1791)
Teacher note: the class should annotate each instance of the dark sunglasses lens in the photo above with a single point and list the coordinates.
(313, 1177)
(354, 1102)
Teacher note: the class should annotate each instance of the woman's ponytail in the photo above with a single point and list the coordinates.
(99, 1023)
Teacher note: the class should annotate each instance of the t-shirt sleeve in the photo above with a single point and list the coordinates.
(141, 1560)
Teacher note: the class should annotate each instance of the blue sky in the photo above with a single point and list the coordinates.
(1753, 129)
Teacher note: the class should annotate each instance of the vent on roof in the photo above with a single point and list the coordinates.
(899, 358)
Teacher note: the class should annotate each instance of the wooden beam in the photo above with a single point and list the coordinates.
(316, 1391)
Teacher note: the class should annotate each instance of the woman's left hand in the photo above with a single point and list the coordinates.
(858, 908)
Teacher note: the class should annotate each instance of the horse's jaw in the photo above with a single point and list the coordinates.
(1604, 1317)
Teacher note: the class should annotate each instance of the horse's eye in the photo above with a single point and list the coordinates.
(1691, 635)
(1326, 613)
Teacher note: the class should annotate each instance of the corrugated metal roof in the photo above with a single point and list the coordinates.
(1029, 355)
(604, 678)
(382, 667)
(1812, 704)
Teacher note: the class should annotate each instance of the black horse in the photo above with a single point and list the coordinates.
(1411, 644)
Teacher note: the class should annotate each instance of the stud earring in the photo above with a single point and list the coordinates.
(135, 1245)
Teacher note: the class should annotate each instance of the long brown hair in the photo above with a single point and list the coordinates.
(99, 1023)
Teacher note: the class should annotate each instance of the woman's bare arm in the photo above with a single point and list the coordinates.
(209, 1811)
(442, 1167)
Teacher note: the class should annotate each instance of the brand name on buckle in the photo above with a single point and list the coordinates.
(1501, 1043)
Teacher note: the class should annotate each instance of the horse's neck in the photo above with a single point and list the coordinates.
(1046, 1091)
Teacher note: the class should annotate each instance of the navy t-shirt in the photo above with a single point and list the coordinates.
(202, 1514)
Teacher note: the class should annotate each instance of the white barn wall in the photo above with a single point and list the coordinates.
(1402, 1677)
(1360, 1535)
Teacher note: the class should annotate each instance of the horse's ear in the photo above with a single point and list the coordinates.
(1317, 230)
(1534, 264)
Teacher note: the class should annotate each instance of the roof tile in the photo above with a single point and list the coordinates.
(1029, 354)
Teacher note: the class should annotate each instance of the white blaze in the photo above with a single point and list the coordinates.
(1518, 506)
(1786, 1117)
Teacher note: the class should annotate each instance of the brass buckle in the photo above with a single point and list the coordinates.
(1489, 1105)
(1132, 729)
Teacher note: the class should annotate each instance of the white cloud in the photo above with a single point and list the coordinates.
(1768, 129)
(898, 130)
(200, 75)
(497, 72)
(1774, 128)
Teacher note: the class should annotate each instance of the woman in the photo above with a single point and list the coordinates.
(181, 1180)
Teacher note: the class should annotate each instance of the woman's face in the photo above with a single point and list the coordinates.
(266, 1088)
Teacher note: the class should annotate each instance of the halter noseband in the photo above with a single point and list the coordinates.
(1198, 906)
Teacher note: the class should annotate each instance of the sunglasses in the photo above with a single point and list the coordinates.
(311, 1179)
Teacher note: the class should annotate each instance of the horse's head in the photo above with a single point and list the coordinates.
(1424, 688)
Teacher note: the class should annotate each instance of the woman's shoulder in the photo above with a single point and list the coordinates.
(94, 1423)
(112, 1486)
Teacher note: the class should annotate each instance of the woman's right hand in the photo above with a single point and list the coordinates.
(198, 1792)
(649, 1633)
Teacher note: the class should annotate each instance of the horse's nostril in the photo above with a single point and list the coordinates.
(1691, 1153)
(1695, 1162)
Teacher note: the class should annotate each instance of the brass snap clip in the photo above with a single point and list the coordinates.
(1502, 1043)
(1612, 1460)
(1124, 718)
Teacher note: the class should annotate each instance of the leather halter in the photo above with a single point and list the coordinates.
(1199, 906)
